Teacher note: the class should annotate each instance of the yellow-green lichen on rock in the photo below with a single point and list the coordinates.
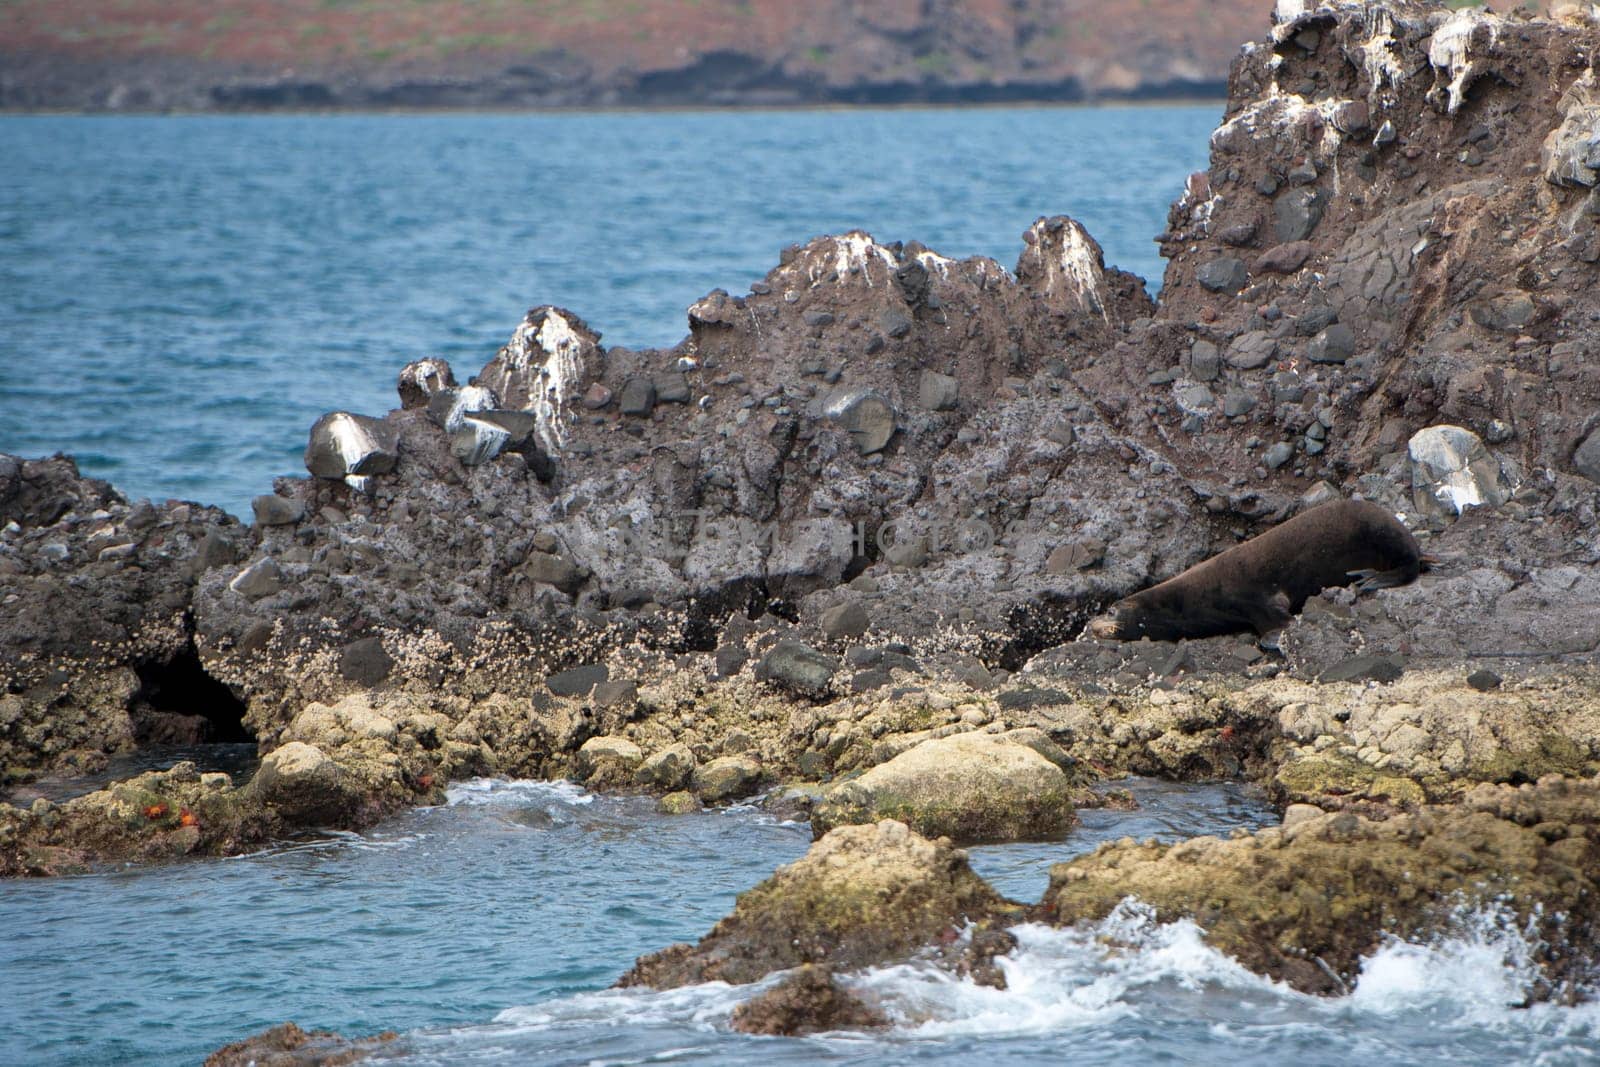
(1305, 902)
(862, 895)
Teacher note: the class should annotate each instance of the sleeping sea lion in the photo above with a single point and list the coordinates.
(1259, 584)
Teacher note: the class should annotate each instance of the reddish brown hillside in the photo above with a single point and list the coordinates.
(208, 53)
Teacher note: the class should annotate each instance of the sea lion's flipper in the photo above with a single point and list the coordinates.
(1370, 581)
(1269, 613)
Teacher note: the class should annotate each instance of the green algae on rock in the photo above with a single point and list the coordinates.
(1305, 902)
(862, 895)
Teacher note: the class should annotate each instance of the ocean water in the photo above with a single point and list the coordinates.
(488, 930)
(182, 297)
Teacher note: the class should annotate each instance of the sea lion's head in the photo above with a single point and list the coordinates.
(1121, 622)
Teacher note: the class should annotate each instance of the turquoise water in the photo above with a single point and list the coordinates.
(181, 297)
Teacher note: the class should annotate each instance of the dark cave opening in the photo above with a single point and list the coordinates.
(178, 702)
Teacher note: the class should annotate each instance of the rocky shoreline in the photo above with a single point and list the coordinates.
(837, 548)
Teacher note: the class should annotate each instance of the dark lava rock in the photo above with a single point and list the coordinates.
(365, 662)
(638, 397)
(344, 445)
(1285, 258)
(798, 668)
(1205, 361)
(808, 1001)
(938, 392)
(273, 510)
(1586, 459)
(421, 379)
(1364, 669)
(845, 620)
(868, 419)
(1023, 699)
(1224, 275)
(1334, 345)
(1484, 680)
(1297, 213)
(577, 681)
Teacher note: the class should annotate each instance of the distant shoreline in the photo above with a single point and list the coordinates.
(621, 109)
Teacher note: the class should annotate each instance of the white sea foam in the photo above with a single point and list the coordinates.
(476, 792)
(1130, 966)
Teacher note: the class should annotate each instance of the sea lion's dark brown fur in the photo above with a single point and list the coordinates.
(1259, 584)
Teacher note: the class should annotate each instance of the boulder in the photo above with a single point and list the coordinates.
(555, 570)
(667, 770)
(351, 448)
(1334, 345)
(365, 662)
(938, 392)
(274, 510)
(844, 621)
(638, 397)
(1226, 274)
(867, 418)
(476, 441)
(809, 1001)
(726, 778)
(1570, 155)
(303, 784)
(798, 668)
(421, 379)
(1451, 470)
(969, 787)
(261, 579)
(863, 895)
(577, 681)
(609, 761)
(448, 407)
(1306, 902)
(1252, 350)
(1586, 458)
(1205, 361)
(1296, 214)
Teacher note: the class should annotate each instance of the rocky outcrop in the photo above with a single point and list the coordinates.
(862, 895)
(1303, 903)
(971, 787)
(287, 1045)
(96, 635)
(809, 1001)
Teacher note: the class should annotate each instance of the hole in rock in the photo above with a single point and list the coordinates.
(179, 703)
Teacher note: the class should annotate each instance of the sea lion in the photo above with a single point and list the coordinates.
(1259, 584)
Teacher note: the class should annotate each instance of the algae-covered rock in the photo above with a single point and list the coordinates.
(668, 769)
(681, 802)
(1305, 902)
(809, 1001)
(970, 787)
(608, 761)
(286, 1045)
(726, 778)
(303, 784)
(862, 895)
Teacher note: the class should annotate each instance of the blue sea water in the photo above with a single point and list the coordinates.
(489, 930)
(181, 297)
